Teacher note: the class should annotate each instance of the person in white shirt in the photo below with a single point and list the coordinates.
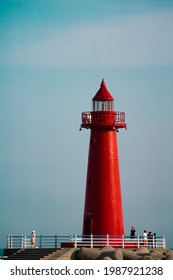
(145, 237)
(33, 238)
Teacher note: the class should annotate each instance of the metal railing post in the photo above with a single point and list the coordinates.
(56, 241)
(11, 241)
(153, 242)
(75, 240)
(138, 240)
(91, 240)
(123, 241)
(163, 242)
(25, 241)
(156, 242)
(8, 241)
(21, 241)
(40, 241)
(107, 239)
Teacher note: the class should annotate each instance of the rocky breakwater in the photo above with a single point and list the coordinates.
(109, 253)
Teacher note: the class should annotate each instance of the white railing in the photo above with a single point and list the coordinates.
(42, 241)
(118, 241)
(76, 241)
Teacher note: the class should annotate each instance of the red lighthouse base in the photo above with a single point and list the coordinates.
(103, 212)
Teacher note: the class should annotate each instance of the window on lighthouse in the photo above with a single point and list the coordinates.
(106, 105)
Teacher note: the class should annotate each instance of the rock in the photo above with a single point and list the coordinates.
(109, 253)
(142, 251)
(74, 255)
(169, 256)
(156, 255)
(107, 248)
(130, 255)
(88, 253)
(147, 257)
(167, 253)
(118, 255)
(115, 254)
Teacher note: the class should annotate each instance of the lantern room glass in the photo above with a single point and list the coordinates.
(104, 105)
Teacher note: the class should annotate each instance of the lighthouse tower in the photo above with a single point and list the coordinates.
(103, 213)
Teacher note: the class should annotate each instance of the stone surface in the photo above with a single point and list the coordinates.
(142, 251)
(169, 256)
(88, 253)
(109, 253)
(147, 257)
(114, 254)
(106, 258)
(167, 253)
(130, 255)
(107, 248)
(156, 255)
(118, 255)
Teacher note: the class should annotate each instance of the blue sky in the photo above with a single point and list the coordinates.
(53, 56)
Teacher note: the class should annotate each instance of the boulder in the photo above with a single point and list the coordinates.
(147, 257)
(106, 258)
(88, 253)
(130, 255)
(107, 248)
(118, 255)
(142, 251)
(169, 256)
(115, 254)
(167, 253)
(156, 255)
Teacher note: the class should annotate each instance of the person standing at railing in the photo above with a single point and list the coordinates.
(33, 239)
(154, 240)
(145, 237)
(132, 232)
(150, 239)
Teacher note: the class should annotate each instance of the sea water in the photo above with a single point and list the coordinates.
(1, 252)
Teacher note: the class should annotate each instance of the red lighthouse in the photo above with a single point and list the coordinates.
(103, 213)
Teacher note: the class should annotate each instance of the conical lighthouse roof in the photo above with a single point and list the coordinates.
(102, 94)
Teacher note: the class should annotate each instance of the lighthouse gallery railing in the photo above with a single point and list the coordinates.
(76, 241)
(103, 117)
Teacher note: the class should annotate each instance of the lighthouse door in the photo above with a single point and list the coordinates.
(88, 226)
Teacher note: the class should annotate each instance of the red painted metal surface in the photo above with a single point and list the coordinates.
(103, 93)
(107, 119)
(103, 211)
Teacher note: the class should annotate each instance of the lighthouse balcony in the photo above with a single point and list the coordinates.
(103, 119)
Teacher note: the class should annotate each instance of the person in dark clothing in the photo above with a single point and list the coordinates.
(150, 239)
(154, 240)
(132, 232)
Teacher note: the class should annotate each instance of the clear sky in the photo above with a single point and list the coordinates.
(53, 56)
